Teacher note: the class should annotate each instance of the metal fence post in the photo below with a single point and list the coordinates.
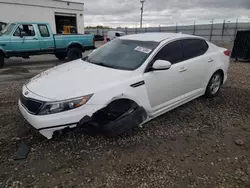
(176, 28)
(159, 28)
(211, 31)
(223, 29)
(236, 28)
(126, 30)
(194, 29)
(136, 30)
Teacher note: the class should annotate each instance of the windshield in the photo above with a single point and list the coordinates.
(7, 30)
(122, 54)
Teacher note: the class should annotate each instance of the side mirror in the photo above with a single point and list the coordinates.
(22, 34)
(161, 65)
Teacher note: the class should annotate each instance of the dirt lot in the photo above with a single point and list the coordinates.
(202, 144)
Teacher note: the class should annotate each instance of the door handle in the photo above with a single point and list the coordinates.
(210, 60)
(182, 69)
(35, 38)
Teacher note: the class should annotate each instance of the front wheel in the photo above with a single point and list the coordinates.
(61, 56)
(214, 85)
(1, 61)
(74, 53)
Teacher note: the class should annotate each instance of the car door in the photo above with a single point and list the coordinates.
(195, 62)
(47, 38)
(27, 44)
(166, 87)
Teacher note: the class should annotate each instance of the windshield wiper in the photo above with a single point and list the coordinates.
(97, 63)
(85, 58)
(104, 65)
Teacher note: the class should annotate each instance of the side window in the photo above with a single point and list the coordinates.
(205, 46)
(28, 29)
(73, 31)
(171, 52)
(43, 29)
(193, 48)
(117, 34)
(17, 33)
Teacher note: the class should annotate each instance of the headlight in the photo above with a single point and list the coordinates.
(61, 106)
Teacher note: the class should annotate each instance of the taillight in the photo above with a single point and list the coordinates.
(227, 53)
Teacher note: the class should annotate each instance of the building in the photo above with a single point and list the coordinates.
(57, 13)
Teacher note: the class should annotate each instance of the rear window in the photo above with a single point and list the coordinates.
(194, 48)
(43, 30)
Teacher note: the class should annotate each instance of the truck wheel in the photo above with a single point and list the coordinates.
(74, 53)
(61, 56)
(1, 61)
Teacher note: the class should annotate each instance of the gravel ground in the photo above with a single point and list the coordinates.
(204, 143)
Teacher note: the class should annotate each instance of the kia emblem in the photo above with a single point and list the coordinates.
(26, 93)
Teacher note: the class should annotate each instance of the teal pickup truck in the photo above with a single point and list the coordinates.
(24, 39)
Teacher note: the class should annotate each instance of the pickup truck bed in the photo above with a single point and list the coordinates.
(24, 39)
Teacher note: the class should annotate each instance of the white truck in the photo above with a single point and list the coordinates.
(114, 34)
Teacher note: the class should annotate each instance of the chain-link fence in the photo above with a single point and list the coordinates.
(216, 32)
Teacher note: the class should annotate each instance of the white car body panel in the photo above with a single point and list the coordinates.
(162, 91)
(88, 79)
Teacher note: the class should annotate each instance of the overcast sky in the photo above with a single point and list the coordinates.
(123, 13)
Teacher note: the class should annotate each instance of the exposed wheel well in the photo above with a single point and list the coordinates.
(129, 102)
(76, 45)
(222, 74)
(113, 110)
(120, 116)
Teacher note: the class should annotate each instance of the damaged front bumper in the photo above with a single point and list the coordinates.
(48, 124)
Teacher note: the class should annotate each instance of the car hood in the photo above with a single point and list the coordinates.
(75, 79)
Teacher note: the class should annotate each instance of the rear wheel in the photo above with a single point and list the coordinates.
(61, 56)
(214, 85)
(74, 53)
(1, 61)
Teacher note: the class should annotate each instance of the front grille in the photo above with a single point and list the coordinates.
(32, 105)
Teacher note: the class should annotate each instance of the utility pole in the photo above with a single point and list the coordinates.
(142, 3)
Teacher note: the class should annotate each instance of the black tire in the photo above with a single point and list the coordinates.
(1, 61)
(214, 85)
(108, 40)
(61, 56)
(74, 53)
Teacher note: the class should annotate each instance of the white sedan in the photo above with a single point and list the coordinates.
(124, 84)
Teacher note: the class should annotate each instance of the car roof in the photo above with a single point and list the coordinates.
(157, 37)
